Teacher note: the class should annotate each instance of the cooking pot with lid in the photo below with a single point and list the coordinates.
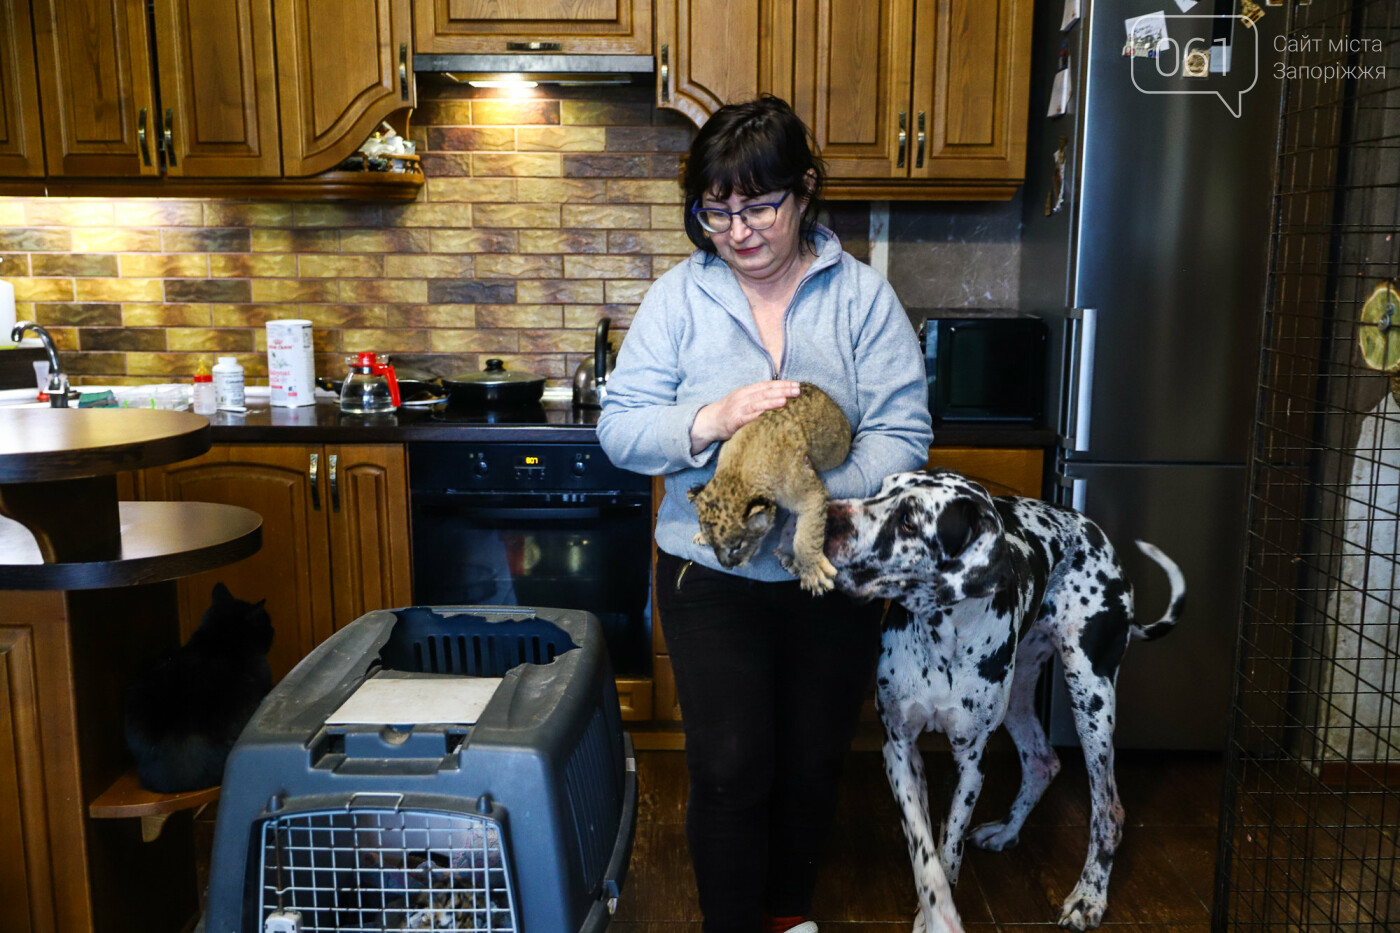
(494, 387)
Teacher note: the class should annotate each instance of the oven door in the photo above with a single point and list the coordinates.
(592, 552)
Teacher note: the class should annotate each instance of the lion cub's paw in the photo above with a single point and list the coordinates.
(818, 577)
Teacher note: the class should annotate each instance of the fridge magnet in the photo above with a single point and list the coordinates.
(1147, 35)
(1197, 64)
(1071, 15)
(1060, 91)
(1250, 12)
(1055, 197)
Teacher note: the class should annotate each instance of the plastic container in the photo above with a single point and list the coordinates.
(228, 385)
(519, 813)
(291, 369)
(202, 393)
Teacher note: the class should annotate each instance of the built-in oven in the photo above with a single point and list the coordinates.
(535, 524)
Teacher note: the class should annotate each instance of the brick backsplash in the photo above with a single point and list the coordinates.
(539, 216)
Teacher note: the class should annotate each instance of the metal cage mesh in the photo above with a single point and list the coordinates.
(351, 870)
(1311, 809)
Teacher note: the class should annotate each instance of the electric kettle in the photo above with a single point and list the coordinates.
(591, 377)
(369, 387)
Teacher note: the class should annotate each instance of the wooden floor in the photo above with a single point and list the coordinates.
(1161, 882)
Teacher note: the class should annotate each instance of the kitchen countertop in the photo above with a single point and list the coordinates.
(324, 423)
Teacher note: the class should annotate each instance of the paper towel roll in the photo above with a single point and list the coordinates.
(7, 312)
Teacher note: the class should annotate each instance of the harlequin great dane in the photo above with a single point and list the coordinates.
(985, 589)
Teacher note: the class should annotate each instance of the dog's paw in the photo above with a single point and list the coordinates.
(993, 836)
(1083, 910)
(938, 921)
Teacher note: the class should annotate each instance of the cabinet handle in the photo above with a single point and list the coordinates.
(335, 485)
(313, 473)
(903, 137)
(534, 46)
(169, 137)
(919, 159)
(403, 70)
(665, 73)
(141, 120)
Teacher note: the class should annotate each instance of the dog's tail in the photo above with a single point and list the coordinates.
(1178, 601)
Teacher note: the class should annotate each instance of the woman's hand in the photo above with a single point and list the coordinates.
(718, 421)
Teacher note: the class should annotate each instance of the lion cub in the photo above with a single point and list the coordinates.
(771, 463)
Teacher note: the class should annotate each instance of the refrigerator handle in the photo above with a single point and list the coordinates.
(1077, 490)
(1079, 394)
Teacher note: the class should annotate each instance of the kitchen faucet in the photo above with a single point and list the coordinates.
(58, 382)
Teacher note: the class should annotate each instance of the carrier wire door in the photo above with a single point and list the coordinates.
(1310, 812)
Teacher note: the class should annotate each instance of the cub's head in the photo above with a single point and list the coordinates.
(733, 520)
(934, 538)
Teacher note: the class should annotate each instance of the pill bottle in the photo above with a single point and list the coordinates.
(228, 384)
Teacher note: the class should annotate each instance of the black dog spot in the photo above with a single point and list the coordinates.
(993, 667)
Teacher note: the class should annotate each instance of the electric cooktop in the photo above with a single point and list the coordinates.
(546, 412)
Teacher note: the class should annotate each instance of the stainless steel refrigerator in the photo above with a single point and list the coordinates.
(1149, 263)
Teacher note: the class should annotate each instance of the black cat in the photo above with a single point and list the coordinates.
(184, 713)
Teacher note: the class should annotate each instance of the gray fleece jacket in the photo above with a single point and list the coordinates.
(693, 340)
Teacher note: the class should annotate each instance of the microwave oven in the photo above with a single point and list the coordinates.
(985, 369)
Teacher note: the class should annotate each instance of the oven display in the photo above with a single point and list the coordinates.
(529, 465)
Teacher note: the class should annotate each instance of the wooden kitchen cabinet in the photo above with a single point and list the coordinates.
(711, 53)
(343, 66)
(907, 96)
(204, 106)
(335, 534)
(193, 92)
(570, 27)
(21, 135)
(907, 99)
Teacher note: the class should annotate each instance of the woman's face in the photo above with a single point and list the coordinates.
(759, 255)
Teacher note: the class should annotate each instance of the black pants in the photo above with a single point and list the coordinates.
(770, 682)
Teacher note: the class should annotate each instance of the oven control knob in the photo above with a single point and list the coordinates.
(579, 467)
(480, 467)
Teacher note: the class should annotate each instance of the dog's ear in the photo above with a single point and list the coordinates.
(758, 515)
(957, 525)
(694, 491)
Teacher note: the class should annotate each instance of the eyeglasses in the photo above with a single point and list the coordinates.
(755, 216)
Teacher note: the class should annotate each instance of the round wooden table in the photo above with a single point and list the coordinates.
(62, 526)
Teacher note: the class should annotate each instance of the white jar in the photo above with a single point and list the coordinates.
(228, 384)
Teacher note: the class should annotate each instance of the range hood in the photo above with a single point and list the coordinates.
(542, 64)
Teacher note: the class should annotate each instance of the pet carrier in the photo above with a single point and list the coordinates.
(457, 768)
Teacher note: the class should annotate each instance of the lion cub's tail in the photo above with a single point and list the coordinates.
(1178, 601)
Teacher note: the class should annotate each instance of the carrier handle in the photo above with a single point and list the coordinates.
(398, 798)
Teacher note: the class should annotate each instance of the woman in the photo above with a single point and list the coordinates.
(770, 679)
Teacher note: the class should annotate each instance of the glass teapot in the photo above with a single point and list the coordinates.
(370, 386)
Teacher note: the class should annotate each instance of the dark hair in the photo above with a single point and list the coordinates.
(753, 148)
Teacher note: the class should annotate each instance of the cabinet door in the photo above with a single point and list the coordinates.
(714, 52)
(218, 87)
(972, 79)
(342, 67)
(96, 84)
(371, 563)
(614, 27)
(21, 136)
(850, 83)
(25, 872)
(292, 571)
(1002, 471)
